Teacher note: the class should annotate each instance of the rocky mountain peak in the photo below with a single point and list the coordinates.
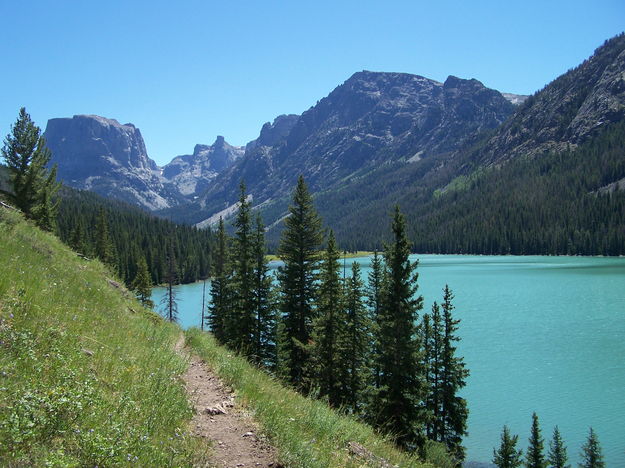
(105, 142)
(191, 173)
(100, 154)
(373, 118)
(272, 133)
(567, 111)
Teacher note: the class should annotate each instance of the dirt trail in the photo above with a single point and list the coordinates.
(233, 433)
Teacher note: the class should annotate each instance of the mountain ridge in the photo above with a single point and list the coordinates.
(382, 138)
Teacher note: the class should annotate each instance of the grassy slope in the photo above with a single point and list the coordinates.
(87, 377)
(306, 432)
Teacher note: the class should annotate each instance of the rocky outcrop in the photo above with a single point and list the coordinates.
(191, 174)
(515, 99)
(568, 111)
(272, 133)
(101, 155)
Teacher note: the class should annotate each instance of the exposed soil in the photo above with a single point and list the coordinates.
(232, 433)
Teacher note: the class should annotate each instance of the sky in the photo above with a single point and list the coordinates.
(184, 71)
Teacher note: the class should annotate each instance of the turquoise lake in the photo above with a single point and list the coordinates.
(543, 334)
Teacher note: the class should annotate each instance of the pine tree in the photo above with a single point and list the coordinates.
(591, 455)
(46, 210)
(327, 363)
(77, 239)
(374, 302)
(171, 278)
(104, 249)
(298, 250)
(428, 356)
(355, 343)
(433, 331)
(142, 284)
(557, 451)
(454, 410)
(507, 456)
(265, 316)
(398, 403)
(535, 457)
(34, 186)
(242, 313)
(220, 287)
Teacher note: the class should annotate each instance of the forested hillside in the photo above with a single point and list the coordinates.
(122, 234)
(561, 203)
(533, 185)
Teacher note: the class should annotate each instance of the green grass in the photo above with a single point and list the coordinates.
(359, 253)
(87, 377)
(306, 433)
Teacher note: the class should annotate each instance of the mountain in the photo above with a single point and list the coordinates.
(101, 155)
(381, 139)
(574, 107)
(544, 182)
(191, 174)
(371, 120)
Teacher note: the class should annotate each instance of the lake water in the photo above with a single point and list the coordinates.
(544, 334)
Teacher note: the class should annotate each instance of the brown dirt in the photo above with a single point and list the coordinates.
(233, 434)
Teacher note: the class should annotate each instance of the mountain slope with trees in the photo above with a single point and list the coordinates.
(553, 191)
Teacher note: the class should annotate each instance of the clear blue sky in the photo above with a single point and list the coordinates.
(186, 71)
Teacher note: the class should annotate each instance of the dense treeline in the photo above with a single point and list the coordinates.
(550, 204)
(362, 347)
(557, 203)
(131, 235)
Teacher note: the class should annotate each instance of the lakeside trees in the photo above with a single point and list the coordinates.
(557, 457)
(299, 250)
(508, 456)
(397, 403)
(359, 347)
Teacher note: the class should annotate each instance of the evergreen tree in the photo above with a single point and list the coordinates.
(433, 334)
(46, 210)
(557, 451)
(34, 186)
(454, 410)
(220, 290)
(77, 240)
(428, 354)
(104, 249)
(265, 317)
(592, 456)
(507, 456)
(355, 343)
(171, 278)
(374, 301)
(534, 456)
(298, 250)
(142, 284)
(398, 403)
(328, 326)
(242, 321)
